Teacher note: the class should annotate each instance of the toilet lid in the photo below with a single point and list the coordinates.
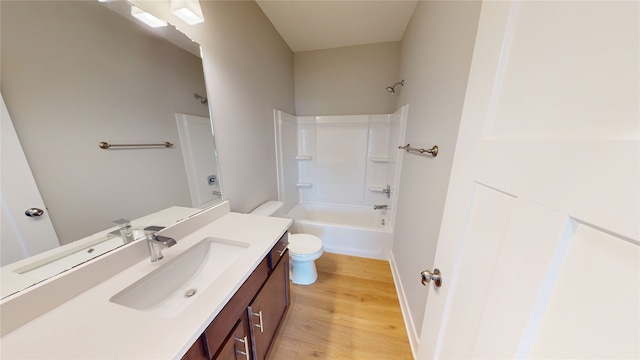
(304, 244)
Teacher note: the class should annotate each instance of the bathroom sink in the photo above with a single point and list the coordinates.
(171, 288)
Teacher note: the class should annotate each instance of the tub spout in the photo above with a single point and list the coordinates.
(379, 207)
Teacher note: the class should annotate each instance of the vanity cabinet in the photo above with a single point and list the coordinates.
(252, 318)
(267, 310)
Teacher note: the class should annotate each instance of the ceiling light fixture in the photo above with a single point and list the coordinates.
(188, 11)
(147, 18)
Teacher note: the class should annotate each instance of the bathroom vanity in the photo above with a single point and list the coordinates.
(140, 311)
(246, 327)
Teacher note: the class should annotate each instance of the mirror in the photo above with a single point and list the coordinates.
(77, 73)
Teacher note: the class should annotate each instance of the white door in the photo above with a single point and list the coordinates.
(196, 140)
(22, 236)
(539, 245)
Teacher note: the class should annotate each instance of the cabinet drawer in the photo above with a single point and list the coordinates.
(275, 255)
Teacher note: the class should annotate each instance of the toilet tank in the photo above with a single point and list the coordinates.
(270, 208)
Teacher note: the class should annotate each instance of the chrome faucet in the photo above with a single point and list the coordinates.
(379, 207)
(155, 241)
(125, 230)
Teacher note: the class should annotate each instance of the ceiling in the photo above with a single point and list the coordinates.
(168, 32)
(324, 24)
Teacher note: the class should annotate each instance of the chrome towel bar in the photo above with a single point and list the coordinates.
(433, 151)
(106, 145)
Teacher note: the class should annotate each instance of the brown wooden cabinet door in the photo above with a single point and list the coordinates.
(218, 331)
(197, 351)
(267, 310)
(237, 346)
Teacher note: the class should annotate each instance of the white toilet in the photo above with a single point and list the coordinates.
(304, 249)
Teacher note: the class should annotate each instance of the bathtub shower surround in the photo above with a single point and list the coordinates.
(332, 170)
(287, 159)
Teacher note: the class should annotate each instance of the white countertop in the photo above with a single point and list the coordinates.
(89, 326)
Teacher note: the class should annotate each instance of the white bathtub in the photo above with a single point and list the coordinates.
(345, 229)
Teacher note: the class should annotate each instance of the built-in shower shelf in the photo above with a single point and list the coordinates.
(381, 159)
(304, 157)
(304, 185)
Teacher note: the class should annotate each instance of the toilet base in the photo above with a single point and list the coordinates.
(303, 272)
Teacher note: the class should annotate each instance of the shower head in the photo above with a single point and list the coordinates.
(392, 89)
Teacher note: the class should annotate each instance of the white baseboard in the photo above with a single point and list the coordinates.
(414, 339)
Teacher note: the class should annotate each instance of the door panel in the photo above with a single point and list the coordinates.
(534, 234)
(596, 294)
(489, 218)
(568, 68)
(549, 126)
(568, 175)
(22, 236)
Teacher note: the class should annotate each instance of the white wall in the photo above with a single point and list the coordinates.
(65, 66)
(249, 72)
(347, 81)
(436, 55)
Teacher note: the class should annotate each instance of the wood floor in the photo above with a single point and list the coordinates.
(351, 312)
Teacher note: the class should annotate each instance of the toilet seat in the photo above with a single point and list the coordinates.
(305, 245)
